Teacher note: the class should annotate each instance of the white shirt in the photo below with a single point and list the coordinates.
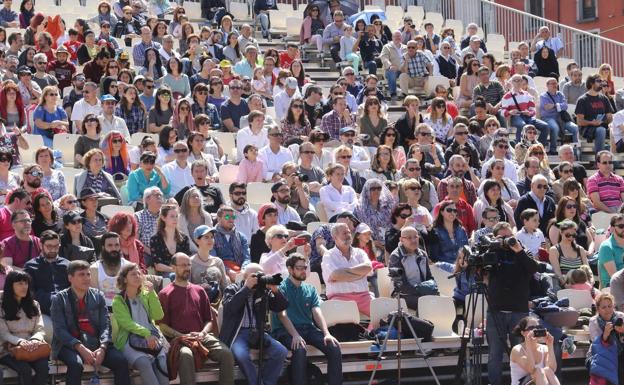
(286, 214)
(116, 124)
(281, 102)
(244, 121)
(273, 162)
(361, 159)
(334, 260)
(246, 222)
(338, 201)
(245, 136)
(82, 108)
(618, 130)
(177, 176)
(531, 241)
(511, 171)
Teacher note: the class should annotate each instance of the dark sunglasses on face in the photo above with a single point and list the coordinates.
(234, 87)
(569, 235)
(239, 193)
(299, 106)
(405, 216)
(5, 159)
(117, 141)
(414, 188)
(501, 146)
(450, 210)
(375, 188)
(607, 162)
(36, 174)
(281, 236)
(180, 150)
(571, 206)
(619, 226)
(91, 120)
(149, 161)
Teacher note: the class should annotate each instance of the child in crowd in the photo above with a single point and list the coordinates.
(578, 280)
(72, 45)
(530, 235)
(250, 169)
(347, 41)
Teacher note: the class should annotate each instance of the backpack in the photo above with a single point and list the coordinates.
(422, 328)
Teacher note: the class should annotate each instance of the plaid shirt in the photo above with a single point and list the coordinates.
(135, 118)
(147, 225)
(331, 123)
(210, 110)
(417, 65)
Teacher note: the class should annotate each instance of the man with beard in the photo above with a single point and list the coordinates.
(345, 269)
(11, 69)
(594, 112)
(187, 314)
(281, 200)
(78, 82)
(243, 307)
(230, 245)
(104, 271)
(303, 323)
(246, 218)
(457, 168)
(18, 199)
(31, 181)
(213, 198)
(21, 247)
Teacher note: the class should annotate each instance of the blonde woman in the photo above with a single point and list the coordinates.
(192, 214)
(537, 150)
(606, 75)
(440, 120)
(49, 116)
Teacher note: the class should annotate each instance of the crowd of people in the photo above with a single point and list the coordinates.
(411, 192)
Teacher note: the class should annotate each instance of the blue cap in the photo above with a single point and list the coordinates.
(108, 97)
(202, 230)
(344, 130)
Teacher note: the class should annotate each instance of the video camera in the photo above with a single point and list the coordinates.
(264, 280)
(486, 253)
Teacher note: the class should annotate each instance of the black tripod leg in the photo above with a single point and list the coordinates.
(422, 351)
(382, 349)
(468, 326)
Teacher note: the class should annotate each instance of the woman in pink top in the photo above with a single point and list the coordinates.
(251, 168)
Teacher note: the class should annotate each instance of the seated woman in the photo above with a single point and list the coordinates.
(336, 197)
(267, 218)
(89, 139)
(207, 269)
(115, 150)
(532, 362)
(182, 119)
(375, 209)
(448, 235)
(93, 221)
(390, 137)
(46, 217)
(53, 180)
(94, 176)
(74, 243)
(605, 353)
(492, 197)
(127, 227)
(192, 214)
(274, 261)
(135, 309)
(176, 80)
(166, 139)
(168, 240)
(21, 324)
(565, 173)
(566, 255)
(382, 165)
(568, 209)
(9, 180)
(147, 175)
(49, 116)
(132, 110)
(197, 147)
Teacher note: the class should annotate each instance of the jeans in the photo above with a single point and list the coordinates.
(24, 370)
(600, 135)
(113, 359)
(371, 66)
(555, 124)
(519, 121)
(500, 326)
(274, 358)
(264, 23)
(392, 77)
(148, 370)
(298, 361)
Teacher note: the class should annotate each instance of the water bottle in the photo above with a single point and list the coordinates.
(225, 160)
(95, 379)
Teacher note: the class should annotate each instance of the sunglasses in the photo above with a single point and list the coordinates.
(239, 193)
(619, 226)
(281, 236)
(149, 87)
(569, 235)
(375, 188)
(299, 106)
(538, 153)
(568, 171)
(36, 174)
(180, 150)
(117, 141)
(425, 134)
(501, 146)
(149, 161)
(166, 96)
(571, 206)
(307, 152)
(414, 188)
(277, 134)
(72, 202)
(405, 216)
(450, 210)
(493, 219)
(461, 133)
(607, 162)
(346, 157)
(5, 159)
(234, 87)
(229, 216)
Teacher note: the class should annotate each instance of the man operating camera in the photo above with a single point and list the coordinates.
(244, 311)
(508, 291)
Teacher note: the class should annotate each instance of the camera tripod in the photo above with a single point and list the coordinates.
(399, 316)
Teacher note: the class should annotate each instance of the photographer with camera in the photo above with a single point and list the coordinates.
(508, 293)
(532, 360)
(605, 333)
(409, 262)
(299, 192)
(245, 307)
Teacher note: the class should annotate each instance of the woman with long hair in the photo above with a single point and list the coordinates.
(464, 66)
(372, 121)
(298, 72)
(440, 121)
(166, 138)
(27, 11)
(174, 25)
(390, 137)
(49, 116)
(335, 196)
(467, 83)
(312, 28)
(227, 28)
(532, 362)
(192, 214)
(382, 165)
(46, 217)
(53, 180)
(406, 124)
(566, 172)
(168, 240)
(216, 96)
(182, 119)
(73, 238)
(231, 51)
(176, 80)
(9, 180)
(117, 158)
(546, 63)
(132, 110)
(212, 145)
(509, 190)
(375, 208)
(159, 31)
(109, 86)
(152, 66)
(91, 135)
(566, 254)
(160, 115)
(492, 198)
(135, 309)
(200, 105)
(127, 227)
(186, 30)
(21, 324)
(448, 233)
(537, 150)
(196, 144)
(296, 126)
(573, 188)
(112, 69)
(568, 209)
(606, 75)
(12, 106)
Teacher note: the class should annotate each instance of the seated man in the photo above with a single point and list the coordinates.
(186, 308)
(345, 269)
(605, 189)
(242, 304)
(303, 323)
(82, 334)
(413, 260)
(230, 245)
(21, 247)
(415, 70)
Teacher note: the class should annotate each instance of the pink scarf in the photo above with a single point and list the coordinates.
(129, 248)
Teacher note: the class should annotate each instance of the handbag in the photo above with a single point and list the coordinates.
(565, 115)
(42, 350)
(139, 343)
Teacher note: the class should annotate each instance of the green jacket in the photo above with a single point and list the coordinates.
(123, 318)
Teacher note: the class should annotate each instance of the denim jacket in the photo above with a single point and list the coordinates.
(65, 321)
(444, 249)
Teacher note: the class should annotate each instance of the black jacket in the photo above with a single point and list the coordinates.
(510, 281)
(357, 179)
(47, 279)
(527, 202)
(453, 149)
(406, 129)
(234, 299)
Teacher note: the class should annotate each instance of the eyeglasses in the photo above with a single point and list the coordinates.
(25, 220)
(411, 47)
(52, 94)
(415, 188)
(338, 94)
(229, 217)
(117, 141)
(375, 188)
(538, 153)
(450, 210)
(276, 135)
(91, 120)
(234, 87)
(346, 157)
(149, 161)
(76, 222)
(148, 87)
(461, 133)
(607, 162)
(425, 134)
(239, 193)
(571, 206)
(5, 159)
(41, 62)
(202, 92)
(180, 150)
(619, 226)
(72, 202)
(36, 174)
(541, 186)
(493, 219)
(113, 67)
(503, 146)
(307, 152)
(281, 236)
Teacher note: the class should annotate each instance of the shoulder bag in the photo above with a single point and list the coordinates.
(565, 115)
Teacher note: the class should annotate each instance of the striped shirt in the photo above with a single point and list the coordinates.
(524, 100)
(608, 187)
(492, 93)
